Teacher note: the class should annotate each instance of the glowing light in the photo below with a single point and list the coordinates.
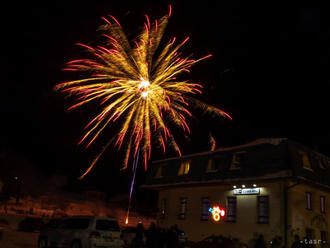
(217, 212)
(144, 84)
(136, 89)
(243, 186)
(144, 94)
(254, 185)
(222, 212)
(234, 186)
(126, 220)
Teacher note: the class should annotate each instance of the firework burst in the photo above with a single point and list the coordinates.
(136, 88)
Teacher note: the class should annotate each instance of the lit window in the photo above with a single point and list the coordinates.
(231, 209)
(322, 204)
(162, 208)
(159, 172)
(237, 160)
(308, 199)
(184, 167)
(213, 164)
(305, 161)
(205, 214)
(322, 164)
(263, 209)
(183, 208)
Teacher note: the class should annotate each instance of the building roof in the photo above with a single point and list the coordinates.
(261, 159)
(273, 141)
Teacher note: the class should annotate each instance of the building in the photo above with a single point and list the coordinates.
(271, 186)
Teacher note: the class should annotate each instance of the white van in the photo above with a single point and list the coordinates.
(81, 232)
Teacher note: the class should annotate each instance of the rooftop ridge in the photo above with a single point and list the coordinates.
(259, 141)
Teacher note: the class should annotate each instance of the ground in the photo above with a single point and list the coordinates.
(11, 238)
(15, 239)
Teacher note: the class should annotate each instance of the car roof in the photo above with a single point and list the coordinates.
(33, 218)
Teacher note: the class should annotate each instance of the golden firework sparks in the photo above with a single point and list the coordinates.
(136, 88)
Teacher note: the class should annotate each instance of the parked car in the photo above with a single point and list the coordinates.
(81, 232)
(31, 224)
(3, 225)
(52, 223)
(215, 241)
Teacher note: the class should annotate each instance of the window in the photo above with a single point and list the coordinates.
(205, 214)
(183, 208)
(213, 165)
(305, 161)
(163, 208)
(53, 223)
(309, 233)
(324, 237)
(237, 160)
(159, 172)
(263, 209)
(107, 225)
(75, 224)
(322, 164)
(322, 204)
(308, 199)
(231, 209)
(184, 168)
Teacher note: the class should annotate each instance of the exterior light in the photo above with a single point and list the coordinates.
(234, 187)
(254, 185)
(243, 186)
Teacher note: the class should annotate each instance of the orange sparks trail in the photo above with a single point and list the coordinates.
(212, 142)
(134, 87)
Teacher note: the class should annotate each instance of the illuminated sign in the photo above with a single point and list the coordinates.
(217, 212)
(247, 191)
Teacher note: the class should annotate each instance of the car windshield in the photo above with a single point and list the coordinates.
(75, 224)
(53, 223)
(33, 220)
(107, 225)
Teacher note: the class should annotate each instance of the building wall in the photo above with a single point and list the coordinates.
(299, 218)
(246, 218)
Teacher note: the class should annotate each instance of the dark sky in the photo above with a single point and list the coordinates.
(270, 71)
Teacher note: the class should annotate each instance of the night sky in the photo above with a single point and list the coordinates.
(270, 71)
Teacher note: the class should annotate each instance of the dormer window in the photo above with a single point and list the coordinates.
(184, 168)
(159, 172)
(237, 160)
(213, 164)
(322, 164)
(305, 161)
